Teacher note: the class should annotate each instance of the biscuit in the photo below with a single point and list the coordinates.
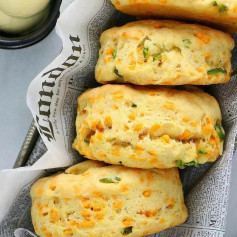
(107, 201)
(153, 52)
(221, 14)
(146, 127)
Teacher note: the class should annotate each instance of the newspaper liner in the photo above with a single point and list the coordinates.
(52, 99)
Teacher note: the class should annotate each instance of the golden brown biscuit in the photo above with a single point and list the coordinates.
(155, 52)
(147, 127)
(107, 201)
(220, 13)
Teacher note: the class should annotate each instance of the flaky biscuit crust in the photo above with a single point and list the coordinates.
(77, 202)
(220, 14)
(153, 52)
(148, 127)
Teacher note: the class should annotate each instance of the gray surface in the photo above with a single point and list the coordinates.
(17, 69)
(231, 225)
